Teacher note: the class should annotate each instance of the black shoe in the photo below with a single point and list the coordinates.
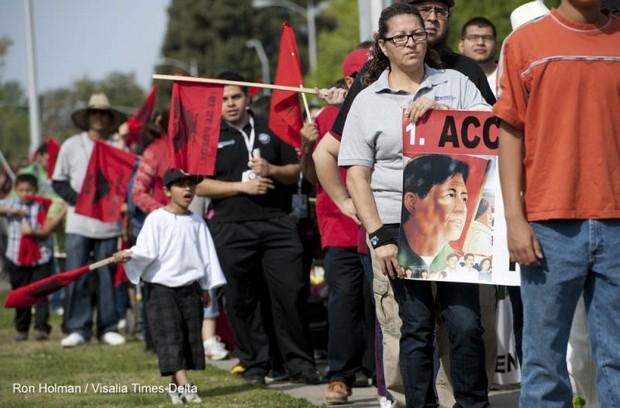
(21, 336)
(361, 380)
(254, 379)
(277, 375)
(309, 376)
(41, 335)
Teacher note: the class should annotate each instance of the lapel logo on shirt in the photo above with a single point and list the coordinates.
(445, 98)
(264, 138)
(226, 143)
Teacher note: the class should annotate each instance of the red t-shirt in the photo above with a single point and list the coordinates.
(559, 83)
(337, 230)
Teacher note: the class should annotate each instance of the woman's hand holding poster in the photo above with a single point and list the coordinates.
(452, 226)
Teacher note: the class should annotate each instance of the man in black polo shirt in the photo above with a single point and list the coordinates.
(257, 241)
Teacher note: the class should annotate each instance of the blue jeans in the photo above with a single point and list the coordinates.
(79, 316)
(579, 255)
(459, 305)
(378, 344)
(57, 298)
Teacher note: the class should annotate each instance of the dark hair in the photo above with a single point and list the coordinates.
(423, 173)
(483, 207)
(164, 116)
(478, 21)
(340, 84)
(379, 61)
(467, 256)
(365, 44)
(27, 178)
(42, 149)
(260, 106)
(485, 260)
(149, 134)
(233, 76)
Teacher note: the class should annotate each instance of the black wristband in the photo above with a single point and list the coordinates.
(380, 238)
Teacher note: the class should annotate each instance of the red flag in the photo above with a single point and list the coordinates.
(254, 90)
(194, 127)
(285, 118)
(136, 122)
(53, 147)
(38, 291)
(29, 252)
(105, 183)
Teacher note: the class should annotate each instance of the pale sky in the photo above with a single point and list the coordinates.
(84, 38)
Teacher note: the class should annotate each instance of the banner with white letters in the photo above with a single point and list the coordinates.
(452, 226)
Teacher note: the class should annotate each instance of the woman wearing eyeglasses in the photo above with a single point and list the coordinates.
(401, 78)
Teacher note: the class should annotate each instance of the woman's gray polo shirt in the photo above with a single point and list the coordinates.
(373, 136)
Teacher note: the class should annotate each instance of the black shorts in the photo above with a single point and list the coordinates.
(175, 320)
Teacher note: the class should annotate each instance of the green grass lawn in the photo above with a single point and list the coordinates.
(38, 364)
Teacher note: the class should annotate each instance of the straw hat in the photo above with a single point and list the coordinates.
(528, 12)
(97, 101)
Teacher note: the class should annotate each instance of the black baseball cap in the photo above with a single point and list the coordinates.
(449, 3)
(173, 175)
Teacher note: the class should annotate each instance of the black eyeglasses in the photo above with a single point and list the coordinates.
(426, 11)
(401, 40)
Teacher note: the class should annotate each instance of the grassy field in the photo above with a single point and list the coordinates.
(34, 365)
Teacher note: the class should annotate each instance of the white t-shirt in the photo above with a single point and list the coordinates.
(492, 80)
(175, 250)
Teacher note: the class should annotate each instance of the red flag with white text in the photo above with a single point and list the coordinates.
(285, 117)
(105, 183)
(194, 127)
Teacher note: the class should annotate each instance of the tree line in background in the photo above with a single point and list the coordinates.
(56, 107)
(213, 34)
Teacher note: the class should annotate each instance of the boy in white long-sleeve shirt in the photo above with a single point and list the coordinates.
(174, 254)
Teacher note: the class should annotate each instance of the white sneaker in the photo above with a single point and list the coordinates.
(113, 339)
(189, 394)
(385, 403)
(73, 340)
(175, 397)
(122, 324)
(215, 349)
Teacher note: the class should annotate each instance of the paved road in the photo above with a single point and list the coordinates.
(362, 397)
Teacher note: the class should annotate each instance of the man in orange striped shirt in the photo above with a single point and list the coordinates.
(559, 159)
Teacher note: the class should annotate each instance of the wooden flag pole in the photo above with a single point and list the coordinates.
(181, 78)
(306, 107)
(101, 263)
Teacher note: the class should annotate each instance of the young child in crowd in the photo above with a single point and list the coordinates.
(29, 249)
(174, 254)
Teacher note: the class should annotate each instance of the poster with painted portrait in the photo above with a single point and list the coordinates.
(452, 223)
